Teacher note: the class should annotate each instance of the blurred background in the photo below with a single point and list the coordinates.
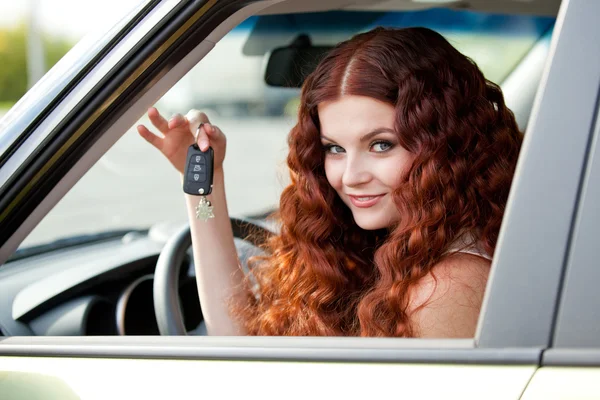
(35, 34)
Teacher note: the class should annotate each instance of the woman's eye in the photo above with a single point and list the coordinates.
(381, 146)
(333, 149)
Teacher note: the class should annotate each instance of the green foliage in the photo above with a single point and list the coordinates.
(5, 105)
(13, 60)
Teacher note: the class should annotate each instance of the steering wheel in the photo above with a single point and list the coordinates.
(248, 235)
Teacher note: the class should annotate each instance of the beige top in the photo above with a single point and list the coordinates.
(468, 245)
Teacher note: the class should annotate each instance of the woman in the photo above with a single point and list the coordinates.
(401, 163)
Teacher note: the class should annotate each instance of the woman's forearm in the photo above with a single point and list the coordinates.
(218, 273)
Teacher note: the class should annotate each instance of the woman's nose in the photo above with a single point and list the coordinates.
(356, 172)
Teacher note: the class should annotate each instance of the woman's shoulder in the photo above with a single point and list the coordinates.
(446, 302)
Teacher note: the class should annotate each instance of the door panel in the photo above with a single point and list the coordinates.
(554, 383)
(105, 378)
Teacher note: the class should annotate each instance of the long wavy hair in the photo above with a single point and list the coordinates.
(324, 275)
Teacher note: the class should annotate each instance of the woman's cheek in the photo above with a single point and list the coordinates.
(398, 167)
(333, 172)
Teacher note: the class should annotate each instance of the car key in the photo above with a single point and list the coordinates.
(198, 179)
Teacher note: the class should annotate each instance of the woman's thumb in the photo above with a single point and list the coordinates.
(195, 117)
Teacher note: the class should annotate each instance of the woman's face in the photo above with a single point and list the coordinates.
(363, 159)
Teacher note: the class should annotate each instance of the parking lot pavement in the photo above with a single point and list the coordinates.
(134, 186)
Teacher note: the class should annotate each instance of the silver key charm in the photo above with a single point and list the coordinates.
(204, 209)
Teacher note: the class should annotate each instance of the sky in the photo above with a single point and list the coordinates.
(71, 19)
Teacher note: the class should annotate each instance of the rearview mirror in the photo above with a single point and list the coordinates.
(289, 66)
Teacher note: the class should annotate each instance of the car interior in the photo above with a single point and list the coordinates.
(108, 252)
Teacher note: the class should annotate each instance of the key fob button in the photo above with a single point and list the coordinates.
(197, 168)
(197, 177)
(198, 159)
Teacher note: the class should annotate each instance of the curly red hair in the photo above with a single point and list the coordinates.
(324, 275)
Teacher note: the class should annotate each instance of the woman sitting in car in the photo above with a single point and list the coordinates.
(401, 162)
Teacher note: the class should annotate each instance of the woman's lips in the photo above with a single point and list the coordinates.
(365, 201)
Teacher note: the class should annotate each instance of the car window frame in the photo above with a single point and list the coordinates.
(576, 339)
(535, 253)
(578, 318)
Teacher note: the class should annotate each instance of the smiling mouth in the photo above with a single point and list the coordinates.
(365, 201)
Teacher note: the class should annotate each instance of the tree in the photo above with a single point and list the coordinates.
(13, 60)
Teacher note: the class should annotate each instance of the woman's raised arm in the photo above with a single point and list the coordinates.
(218, 273)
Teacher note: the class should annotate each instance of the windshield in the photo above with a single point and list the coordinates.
(133, 187)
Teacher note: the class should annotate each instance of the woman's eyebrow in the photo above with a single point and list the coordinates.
(375, 132)
(367, 136)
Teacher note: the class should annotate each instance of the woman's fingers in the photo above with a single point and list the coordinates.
(199, 123)
(202, 139)
(196, 122)
(177, 121)
(149, 136)
(213, 132)
(157, 120)
(209, 135)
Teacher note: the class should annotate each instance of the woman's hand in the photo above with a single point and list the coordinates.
(178, 135)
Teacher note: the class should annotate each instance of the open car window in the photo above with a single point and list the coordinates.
(133, 187)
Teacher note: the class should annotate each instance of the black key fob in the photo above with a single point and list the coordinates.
(198, 177)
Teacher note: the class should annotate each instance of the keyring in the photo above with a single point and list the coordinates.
(198, 131)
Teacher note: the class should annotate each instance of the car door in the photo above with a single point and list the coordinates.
(516, 322)
(570, 368)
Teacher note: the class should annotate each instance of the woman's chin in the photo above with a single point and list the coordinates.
(372, 224)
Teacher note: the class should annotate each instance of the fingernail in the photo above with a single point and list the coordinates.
(203, 145)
